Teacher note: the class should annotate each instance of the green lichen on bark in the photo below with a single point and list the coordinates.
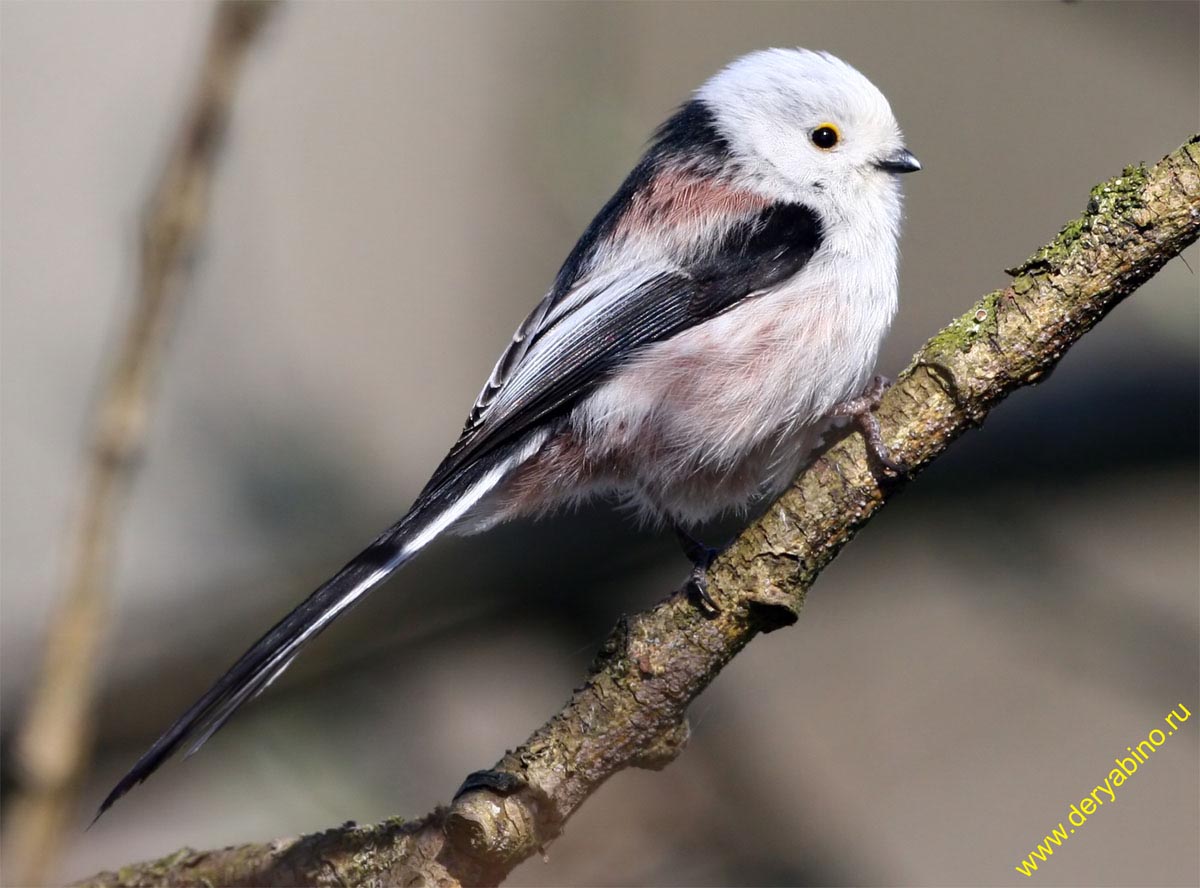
(630, 711)
(963, 332)
(1116, 198)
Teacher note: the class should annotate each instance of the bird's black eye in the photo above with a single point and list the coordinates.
(826, 136)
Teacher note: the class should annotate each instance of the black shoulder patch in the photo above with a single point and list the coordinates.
(757, 254)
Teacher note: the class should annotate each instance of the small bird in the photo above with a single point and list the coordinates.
(720, 314)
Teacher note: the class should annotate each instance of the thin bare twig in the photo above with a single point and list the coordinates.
(54, 743)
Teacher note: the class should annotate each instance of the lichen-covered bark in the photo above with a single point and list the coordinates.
(631, 709)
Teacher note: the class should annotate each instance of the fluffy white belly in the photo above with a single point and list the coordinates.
(703, 422)
(711, 419)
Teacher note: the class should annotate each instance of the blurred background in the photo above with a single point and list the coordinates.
(399, 186)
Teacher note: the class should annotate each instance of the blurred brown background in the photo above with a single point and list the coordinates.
(400, 184)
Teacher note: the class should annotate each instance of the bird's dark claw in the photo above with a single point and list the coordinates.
(702, 557)
(697, 589)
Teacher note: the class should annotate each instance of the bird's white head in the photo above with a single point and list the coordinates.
(805, 126)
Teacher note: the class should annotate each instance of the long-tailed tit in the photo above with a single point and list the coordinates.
(727, 301)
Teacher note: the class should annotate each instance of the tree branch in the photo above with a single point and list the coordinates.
(631, 710)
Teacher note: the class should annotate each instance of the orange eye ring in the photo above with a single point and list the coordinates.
(826, 136)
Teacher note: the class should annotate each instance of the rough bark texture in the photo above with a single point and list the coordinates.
(631, 710)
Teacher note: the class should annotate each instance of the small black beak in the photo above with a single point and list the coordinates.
(903, 161)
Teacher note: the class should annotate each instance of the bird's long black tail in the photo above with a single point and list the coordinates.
(435, 511)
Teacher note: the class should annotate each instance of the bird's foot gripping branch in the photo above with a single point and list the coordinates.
(630, 711)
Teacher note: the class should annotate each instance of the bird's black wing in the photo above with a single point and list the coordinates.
(567, 347)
